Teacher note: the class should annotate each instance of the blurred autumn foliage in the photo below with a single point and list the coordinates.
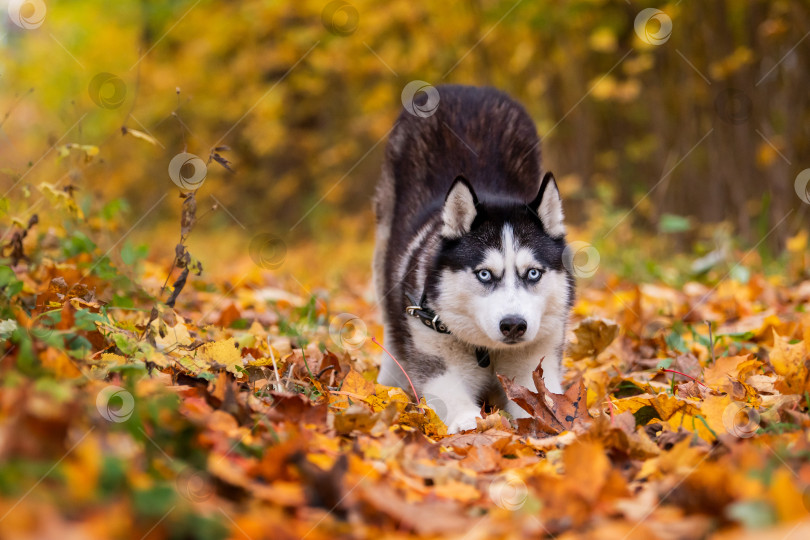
(712, 123)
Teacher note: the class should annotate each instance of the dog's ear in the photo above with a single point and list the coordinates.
(548, 206)
(459, 209)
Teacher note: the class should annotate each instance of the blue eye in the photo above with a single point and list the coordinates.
(484, 276)
(534, 274)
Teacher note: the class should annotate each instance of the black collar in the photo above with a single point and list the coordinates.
(425, 314)
(431, 320)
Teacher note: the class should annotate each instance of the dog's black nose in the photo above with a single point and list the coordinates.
(513, 326)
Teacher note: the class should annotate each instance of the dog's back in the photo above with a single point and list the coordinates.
(479, 133)
(476, 132)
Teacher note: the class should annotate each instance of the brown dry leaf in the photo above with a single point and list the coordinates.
(464, 440)
(551, 413)
(482, 459)
(594, 334)
(621, 433)
(295, 407)
(229, 315)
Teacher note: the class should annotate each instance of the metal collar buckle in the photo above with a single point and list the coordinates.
(426, 315)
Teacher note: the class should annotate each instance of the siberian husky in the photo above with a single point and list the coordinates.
(468, 264)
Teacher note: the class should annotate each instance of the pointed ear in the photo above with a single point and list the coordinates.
(548, 206)
(459, 210)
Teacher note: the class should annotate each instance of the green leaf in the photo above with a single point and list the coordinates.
(670, 223)
(59, 391)
(114, 209)
(740, 273)
(135, 368)
(752, 514)
(155, 500)
(665, 363)
(85, 320)
(703, 340)
(676, 343)
(127, 345)
(76, 244)
(738, 336)
(104, 269)
(112, 479)
(9, 283)
(122, 301)
(131, 254)
(201, 527)
(79, 346)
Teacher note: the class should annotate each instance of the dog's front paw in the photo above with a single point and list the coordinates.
(462, 421)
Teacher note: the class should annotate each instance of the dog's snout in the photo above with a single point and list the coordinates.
(512, 326)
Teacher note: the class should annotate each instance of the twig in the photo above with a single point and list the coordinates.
(349, 394)
(610, 408)
(324, 370)
(415, 395)
(711, 341)
(275, 367)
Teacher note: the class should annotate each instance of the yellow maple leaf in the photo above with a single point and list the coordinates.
(108, 358)
(726, 367)
(223, 352)
(356, 384)
(723, 416)
(789, 362)
(665, 405)
(268, 361)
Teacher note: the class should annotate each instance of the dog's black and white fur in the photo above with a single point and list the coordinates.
(465, 218)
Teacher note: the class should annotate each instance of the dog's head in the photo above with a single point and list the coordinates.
(499, 279)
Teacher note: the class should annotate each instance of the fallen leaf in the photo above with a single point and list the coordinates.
(550, 413)
(593, 334)
(789, 361)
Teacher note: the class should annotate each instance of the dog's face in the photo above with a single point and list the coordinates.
(499, 279)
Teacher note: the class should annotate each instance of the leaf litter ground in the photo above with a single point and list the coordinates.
(239, 413)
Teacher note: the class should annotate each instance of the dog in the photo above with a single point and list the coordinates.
(468, 262)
